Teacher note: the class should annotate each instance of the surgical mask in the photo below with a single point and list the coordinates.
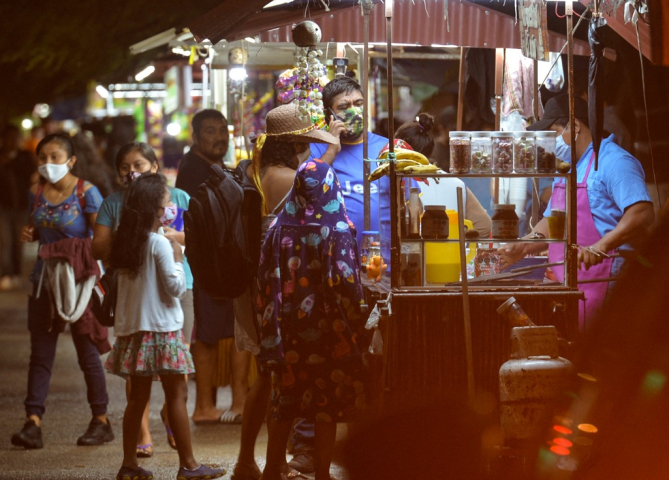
(128, 178)
(53, 172)
(168, 216)
(352, 118)
(562, 150)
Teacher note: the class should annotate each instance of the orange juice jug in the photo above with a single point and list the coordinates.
(442, 260)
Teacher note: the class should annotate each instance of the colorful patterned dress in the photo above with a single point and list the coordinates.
(309, 303)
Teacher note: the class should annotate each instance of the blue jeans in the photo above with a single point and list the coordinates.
(303, 435)
(43, 341)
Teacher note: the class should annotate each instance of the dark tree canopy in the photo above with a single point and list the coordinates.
(50, 49)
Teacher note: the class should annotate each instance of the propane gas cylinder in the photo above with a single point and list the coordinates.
(530, 381)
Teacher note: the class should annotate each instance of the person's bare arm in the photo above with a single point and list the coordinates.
(633, 227)
(514, 252)
(179, 237)
(335, 127)
(102, 242)
(475, 212)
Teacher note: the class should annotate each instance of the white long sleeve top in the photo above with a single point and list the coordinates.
(149, 302)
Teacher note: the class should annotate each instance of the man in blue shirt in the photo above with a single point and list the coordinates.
(344, 97)
(613, 205)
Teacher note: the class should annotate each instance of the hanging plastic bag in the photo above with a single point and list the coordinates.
(376, 345)
(555, 80)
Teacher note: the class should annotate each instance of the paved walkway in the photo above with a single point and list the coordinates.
(68, 415)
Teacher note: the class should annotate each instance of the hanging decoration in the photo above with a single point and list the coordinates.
(303, 84)
(632, 8)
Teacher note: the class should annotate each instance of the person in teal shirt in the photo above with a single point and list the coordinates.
(133, 160)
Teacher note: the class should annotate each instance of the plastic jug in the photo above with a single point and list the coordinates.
(442, 260)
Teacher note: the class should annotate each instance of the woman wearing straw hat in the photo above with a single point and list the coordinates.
(276, 157)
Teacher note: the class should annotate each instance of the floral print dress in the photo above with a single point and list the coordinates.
(309, 303)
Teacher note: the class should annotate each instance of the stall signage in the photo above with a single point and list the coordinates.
(533, 29)
(172, 90)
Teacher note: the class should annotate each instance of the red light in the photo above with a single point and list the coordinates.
(557, 450)
(563, 442)
(562, 430)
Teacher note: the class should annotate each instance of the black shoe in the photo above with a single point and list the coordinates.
(30, 436)
(97, 433)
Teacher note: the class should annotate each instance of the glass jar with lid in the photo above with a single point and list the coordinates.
(502, 152)
(481, 143)
(460, 146)
(434, 223)
(524, 152)
(505, 223)
(369, 237)
(546, 160)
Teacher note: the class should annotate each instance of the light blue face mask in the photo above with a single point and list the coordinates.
(562, 150)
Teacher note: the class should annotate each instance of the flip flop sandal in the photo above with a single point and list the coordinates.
(170, 436)
(231, 418)
(145, 451)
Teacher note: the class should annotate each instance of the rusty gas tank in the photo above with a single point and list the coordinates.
(530, 381)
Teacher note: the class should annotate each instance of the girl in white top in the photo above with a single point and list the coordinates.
(150, 342)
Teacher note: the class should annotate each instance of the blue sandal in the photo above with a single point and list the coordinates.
(127, 473)
(145, 451)
(203, 472)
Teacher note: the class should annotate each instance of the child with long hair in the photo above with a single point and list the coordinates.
(132, 160)
(149, 319)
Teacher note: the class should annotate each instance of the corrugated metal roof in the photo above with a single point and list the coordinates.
(628, 30)
(419, 22)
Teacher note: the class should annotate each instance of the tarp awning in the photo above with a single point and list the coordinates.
(416, 23)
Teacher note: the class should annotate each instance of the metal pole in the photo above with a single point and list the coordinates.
(499, 78)
(465, 297)
(571, 199)
(389, 47)
(394, 197)
(366, 9)
(535, 181)
(461, 87)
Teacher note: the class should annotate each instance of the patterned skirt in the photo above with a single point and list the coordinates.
(150, 354)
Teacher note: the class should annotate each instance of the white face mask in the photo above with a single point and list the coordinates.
(562, 150)
(53, 172)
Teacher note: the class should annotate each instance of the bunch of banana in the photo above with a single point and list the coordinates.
(400, 165)
(404, 166)
(404, 154)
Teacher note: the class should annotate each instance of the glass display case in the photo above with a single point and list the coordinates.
(430, 260)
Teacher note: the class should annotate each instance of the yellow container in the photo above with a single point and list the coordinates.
(442, 260)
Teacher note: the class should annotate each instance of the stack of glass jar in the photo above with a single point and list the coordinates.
(502, 152)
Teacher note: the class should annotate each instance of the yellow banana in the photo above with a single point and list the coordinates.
(411, 155)
(379, 172)
(404, 154)
(400, 165)
(421, 169)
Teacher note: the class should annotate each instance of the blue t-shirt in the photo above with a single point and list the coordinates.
(63, 220)
(349, 168)
(618, 183)
(110, 216)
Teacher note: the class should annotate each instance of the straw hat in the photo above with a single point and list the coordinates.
(284, 121)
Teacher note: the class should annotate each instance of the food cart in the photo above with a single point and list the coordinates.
(440, 337)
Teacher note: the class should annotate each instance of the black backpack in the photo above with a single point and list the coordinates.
(223, 260)
(103, 300)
